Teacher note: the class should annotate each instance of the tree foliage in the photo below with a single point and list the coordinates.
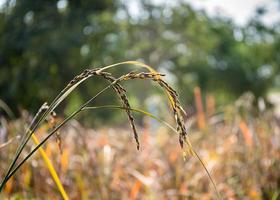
(43, 44)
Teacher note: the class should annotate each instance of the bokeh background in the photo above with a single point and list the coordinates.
(223, 58)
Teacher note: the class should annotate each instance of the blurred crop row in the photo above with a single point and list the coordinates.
(240, 148)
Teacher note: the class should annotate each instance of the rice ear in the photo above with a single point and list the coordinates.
(121, 92)
(176, 105)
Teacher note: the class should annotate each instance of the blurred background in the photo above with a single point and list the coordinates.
(223, 58)
(225, 48)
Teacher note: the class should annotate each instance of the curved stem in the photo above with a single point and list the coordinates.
(11, 173)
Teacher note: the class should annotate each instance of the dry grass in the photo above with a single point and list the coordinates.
(102, 163)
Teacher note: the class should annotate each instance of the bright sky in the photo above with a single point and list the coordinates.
(239, 10)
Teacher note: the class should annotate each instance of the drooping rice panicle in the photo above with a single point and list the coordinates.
(176, 106)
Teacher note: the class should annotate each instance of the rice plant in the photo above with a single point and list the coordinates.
(115, 83)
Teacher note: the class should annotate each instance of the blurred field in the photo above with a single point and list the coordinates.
(240, 148)
(226, 75)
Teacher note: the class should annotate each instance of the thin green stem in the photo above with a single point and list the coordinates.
(23, 142)
(11, 172)
(32, 127)
(132, 109)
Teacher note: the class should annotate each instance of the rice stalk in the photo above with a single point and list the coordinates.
(46, 159)
(13, 170)
(49, 109)
(115, 84)
(61, 96)
(73, 83)
(23, 142)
